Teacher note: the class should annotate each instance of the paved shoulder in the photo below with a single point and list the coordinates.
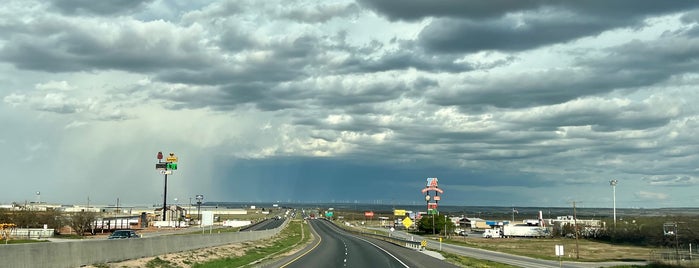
(307, 248)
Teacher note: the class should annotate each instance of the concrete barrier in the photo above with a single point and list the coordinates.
(87, 252)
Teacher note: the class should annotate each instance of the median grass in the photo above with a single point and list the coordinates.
(296, 233)
(462, 261)
(589, 251)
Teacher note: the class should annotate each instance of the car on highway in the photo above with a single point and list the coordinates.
(124, 234)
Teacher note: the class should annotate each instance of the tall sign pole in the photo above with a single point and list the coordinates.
(166, 168)
(432, 200)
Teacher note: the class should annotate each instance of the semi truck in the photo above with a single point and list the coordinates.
(511, 230)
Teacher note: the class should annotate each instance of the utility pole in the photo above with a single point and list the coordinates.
(575, 225)
(199, 198)
(613, 183)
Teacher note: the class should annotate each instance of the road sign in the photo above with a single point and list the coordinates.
(407, 222)
(160, 165)
(165, 172)
(171, 158)
(172, 166)
(423, 243)
(559, 250)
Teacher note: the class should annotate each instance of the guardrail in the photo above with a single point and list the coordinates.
(87, 252)
(417, 245)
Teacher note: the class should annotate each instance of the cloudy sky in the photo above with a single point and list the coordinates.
(507, 102)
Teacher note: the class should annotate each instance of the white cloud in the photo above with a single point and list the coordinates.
(644, 195)
(54, 85)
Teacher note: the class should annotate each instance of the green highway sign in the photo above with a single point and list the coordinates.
(172, 166)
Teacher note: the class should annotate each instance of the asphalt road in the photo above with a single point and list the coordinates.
(264, 225)
(337, 248)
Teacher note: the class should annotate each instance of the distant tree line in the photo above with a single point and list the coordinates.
(649, 231)
(80, 222)
(639, 231)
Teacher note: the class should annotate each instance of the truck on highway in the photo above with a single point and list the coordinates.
(512, 230)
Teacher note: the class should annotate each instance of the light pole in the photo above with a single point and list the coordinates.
(613, 184)
(199, 198)
(427, 199)
(177, 213)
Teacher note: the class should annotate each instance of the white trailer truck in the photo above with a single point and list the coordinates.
(525, 231)
(517, 231)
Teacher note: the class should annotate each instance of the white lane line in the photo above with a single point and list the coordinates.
(357, 237)
(344, 263)
(389, 254)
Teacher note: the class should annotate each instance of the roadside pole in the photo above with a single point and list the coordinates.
(199, 198)
(166, 168)
(559, 253)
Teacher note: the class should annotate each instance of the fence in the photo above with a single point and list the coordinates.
(87, 252)
(681, 257)
(30, 233)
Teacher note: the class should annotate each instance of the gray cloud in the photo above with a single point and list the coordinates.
(472, 26)
(468, 36)
(57, 45)
(321, 13)
(474, 9)
(416, 9)
(89, 7)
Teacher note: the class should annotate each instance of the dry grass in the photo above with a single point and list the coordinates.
(545, 248)
(199, 256)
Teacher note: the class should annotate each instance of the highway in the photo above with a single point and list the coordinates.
(335, 247)
(264, 225)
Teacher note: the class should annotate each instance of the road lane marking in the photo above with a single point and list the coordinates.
(357, 237)
(344, 262)
(385, 251)
(304, 254)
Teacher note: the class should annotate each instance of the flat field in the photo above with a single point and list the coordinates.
(545, 248)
